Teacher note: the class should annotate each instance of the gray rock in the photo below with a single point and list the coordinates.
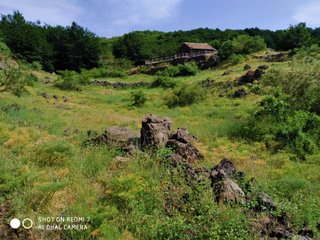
(228, 72)
(120, 137)
(45, 95)
(247, 67)
(181, 143)
(265, 202)
(154, 132)
(225, 169)
(227, 191)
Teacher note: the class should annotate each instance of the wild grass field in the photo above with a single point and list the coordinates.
(47, 170)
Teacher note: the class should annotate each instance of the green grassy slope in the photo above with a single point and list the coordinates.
(46, 170)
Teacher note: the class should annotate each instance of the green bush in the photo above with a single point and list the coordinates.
(187, 69)
(36, 66)
(236, 59)
(138, 98)
(14, 80)
(300, 80)
(281, 127)
(243, 44)
(4, 48)
(164, 82)
(184, 95)
(71, 80)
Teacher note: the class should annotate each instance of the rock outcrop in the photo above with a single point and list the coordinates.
(121, 137)
(181, 143)
(154, 132)
(250, 76)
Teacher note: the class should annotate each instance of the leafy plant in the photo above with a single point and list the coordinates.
(185, 94)
(138, 98)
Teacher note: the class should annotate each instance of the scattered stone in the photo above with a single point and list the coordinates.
(239, 93)
(117, 136)
(92, 133)
(13, 107)
(181, 143)
(48, 80)
(265, 202)
(306, 232)
(227, 191)
(225, 169)
(281, 232)
(67, 132)
(55, 97)
(250, 76)
(228, 72)
(119, 84)
(263, 67)
(45, 95)
(207, 83)
(154, 132)
(247, 67)
(65, 99)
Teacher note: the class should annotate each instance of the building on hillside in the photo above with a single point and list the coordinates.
(198, 52)
(197, 48)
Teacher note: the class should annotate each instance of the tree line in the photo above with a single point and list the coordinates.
(75, 48)
(55, 48)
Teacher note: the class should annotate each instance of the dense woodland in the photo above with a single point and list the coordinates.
(74, 47)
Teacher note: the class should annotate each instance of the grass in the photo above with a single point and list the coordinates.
(46, 172)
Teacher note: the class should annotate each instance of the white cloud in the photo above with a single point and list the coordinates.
(144, 12)
(105, 17)
(59, 12)
(118, 17)
(309, 13)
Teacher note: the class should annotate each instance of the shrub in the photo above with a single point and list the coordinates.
(300, 80)
(138, 98)
(14, 80)
(184, 95)
(236, 59)
(280, 127)
(70, 80)
(4, 48)
(36, 66)
(243, 44)
(103, 73)
(187, 69)
(164, 82)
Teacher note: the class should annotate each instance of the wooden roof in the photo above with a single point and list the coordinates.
(202, 46)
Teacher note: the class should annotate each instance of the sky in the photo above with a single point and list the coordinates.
(108, 18)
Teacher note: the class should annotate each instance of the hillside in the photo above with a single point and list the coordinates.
(49, 167)
(200, 134)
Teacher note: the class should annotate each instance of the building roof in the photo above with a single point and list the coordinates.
(202, 46)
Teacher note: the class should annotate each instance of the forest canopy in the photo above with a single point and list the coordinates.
(75, 48)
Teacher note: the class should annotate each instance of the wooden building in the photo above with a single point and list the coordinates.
(197, 48)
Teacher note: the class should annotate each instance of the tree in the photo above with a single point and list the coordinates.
(296, 36)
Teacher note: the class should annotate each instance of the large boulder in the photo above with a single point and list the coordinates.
(117, 136)
(181, 143)
(227, 191)
(154, 132)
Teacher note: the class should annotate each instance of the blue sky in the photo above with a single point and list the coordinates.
(115, 17)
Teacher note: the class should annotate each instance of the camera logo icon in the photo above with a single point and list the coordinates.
(26, 223)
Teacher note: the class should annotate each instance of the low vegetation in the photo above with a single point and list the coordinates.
(53, 162)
